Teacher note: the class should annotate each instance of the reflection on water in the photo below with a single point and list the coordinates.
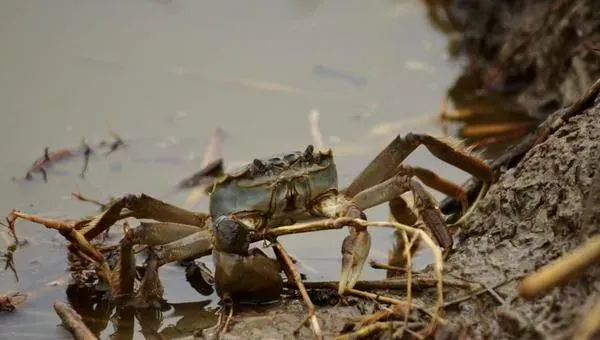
(170, 321)
(490, 119)
(165, 74)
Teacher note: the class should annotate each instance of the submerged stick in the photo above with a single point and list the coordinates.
(9, 259)
(73, 322)
(50, 158)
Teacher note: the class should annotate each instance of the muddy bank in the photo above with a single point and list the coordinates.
(531, 216)
(545, 54)
(279, 322)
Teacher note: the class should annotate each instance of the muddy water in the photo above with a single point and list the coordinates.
(166, 74)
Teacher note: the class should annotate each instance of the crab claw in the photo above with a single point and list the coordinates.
(355, 250)
(242, 274)
(231, 236)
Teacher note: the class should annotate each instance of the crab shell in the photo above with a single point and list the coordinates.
(276, 190)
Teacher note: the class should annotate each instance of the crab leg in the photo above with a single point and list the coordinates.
(381, 167)
(122, 279)
(385, 164)
(161, 233)
(169, 242)
(385, 179)
(382, 192)
(431, 215)
(401, 212)
(396, 186)
(181, 234)
(177, 223)
(432, 180)
(143, 206)
(355, 250)
(356, 246)
(195, 245)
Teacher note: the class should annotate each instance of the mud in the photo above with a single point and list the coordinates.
(279, 322)
(534, 214)
(545, 54)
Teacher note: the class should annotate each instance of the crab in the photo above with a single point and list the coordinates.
(269, 193)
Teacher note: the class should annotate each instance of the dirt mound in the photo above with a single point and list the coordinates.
(531, 216)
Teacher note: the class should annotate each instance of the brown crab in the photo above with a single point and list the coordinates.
(269, 193)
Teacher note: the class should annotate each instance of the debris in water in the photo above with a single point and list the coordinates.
(8, 303)
(203, 177)
(73, 322)
(315, 132)
(50, 158)
(329, 72)
(213, 153)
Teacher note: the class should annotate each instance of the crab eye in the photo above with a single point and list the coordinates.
(309, 150)
(259, 165)
(231, 236)
(308, 153)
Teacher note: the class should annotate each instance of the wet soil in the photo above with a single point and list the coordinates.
(544, 54)
(281, 321)
(531, 216)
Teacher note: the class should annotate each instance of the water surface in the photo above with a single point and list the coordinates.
(166, 74)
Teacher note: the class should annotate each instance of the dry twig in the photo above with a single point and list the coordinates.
(371, 329)
(417, 282)
(294, 276)
(562, 270)
(8, 303)
(341, 222)
(590, 325)
(82, 198)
